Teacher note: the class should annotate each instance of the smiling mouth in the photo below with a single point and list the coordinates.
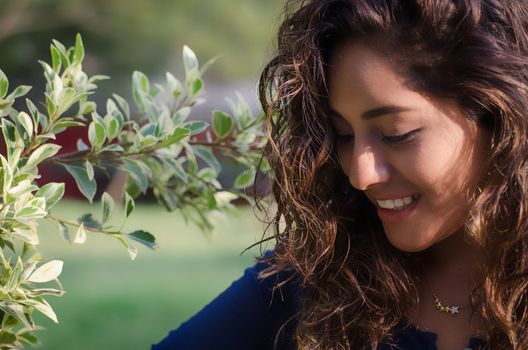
(396, 204)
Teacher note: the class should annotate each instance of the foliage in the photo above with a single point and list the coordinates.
(239, 30)
(159, 149)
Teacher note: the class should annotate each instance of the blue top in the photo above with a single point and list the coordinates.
(247, 315)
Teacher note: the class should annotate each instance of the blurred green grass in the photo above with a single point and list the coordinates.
(112, 302)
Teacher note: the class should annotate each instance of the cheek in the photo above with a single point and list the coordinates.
(435, 169)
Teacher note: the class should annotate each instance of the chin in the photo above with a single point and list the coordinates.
(410, 244)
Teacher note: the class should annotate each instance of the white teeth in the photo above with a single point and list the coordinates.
(395, 204)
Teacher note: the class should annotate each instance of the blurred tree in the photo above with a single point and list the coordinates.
(128, 34)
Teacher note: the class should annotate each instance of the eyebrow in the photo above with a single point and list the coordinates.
(376, 112)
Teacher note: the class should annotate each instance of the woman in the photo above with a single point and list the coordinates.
(398, 136)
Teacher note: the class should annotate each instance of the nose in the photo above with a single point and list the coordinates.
(367, 168)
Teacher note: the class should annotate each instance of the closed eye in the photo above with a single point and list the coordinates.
(397, 139)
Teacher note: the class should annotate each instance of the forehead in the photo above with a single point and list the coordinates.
(361, 78)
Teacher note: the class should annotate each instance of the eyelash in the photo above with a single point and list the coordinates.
(393, 140)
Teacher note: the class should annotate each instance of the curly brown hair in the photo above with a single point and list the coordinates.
(358, 286)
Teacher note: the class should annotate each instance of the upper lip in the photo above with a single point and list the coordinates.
(389, 197)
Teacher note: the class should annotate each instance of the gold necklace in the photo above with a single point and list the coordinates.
(453, 309)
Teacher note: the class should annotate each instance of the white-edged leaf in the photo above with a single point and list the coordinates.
(43, 152)
(4, 84)
(89, 170)
(207, 155)
(144, 238)
(52, 192)
(129, 204)
(222, 124)
(25, 120)
(244, 179)
(108, 206)
(86, 186)
(46, 310)
(190, 61)
(47, 272)
(17, 311)
(79, 49)
(81, 146)
(80, 236)
(131, 249)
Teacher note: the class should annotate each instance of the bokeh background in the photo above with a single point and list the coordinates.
(112, 302)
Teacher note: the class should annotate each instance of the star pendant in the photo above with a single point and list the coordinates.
(454, 310)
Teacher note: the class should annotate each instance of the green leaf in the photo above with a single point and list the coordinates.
(25, 120)
(108, 206)
(55, 59)
(112, 127)
(17, 311)
(47, 272)
(89, 170)
(43, 152)
(174, 85)
(132, 250)
(80, 235)
(12, 283)
(181, 115)
(96, 133)
(177, 135)
(223, 198)
(64, 231)
(62, 51)
(86, 186)
(244, 179)
(129, 204)
(29, 212)
(52, 192)
(114, 147)
(79, 49)
(28, 338)
(123, 104)
(140, 88)
(197, 86)
(7, 338)
(208, 65)
(20, 91)
(87, 108)
(4, 84)
(28, 271)
(196, 127)
(63, 124)
(176, 167)
(33, 110)
(144, 238)
(81, 146)
(137, 172)
(88, 221)
(51, 107)
(222, 124)
(207, 155)
(5, 104)
(44, 308)
(113, 111)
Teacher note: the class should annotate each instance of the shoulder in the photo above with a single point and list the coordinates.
(247, 315)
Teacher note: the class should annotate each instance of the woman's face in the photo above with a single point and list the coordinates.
(414, 157)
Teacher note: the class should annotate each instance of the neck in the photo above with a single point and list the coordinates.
(455, 255)
(452, 268)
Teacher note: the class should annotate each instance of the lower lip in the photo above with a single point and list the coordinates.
(391, 216)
